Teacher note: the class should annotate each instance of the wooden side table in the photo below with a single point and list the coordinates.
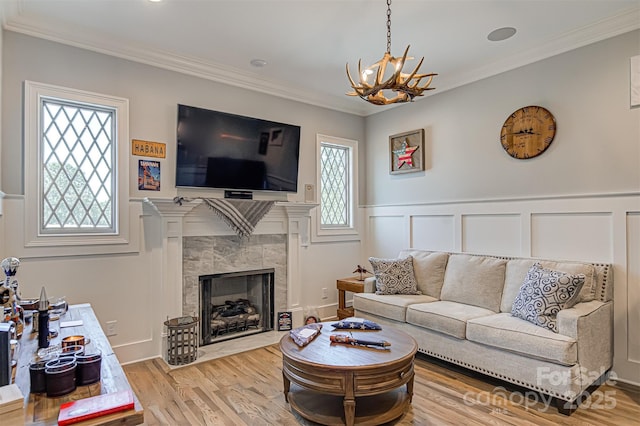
(352, 284)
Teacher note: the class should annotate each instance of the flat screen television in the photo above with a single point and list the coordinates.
(228, 151)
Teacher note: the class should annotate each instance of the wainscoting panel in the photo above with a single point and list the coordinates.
(492, 234)
(593, 228)
(388, 235)
(434, 231)
(572, 236)
(633, 287)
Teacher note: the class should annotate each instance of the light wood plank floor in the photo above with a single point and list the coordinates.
(246, 389)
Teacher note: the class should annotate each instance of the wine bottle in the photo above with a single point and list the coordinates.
(43, 320)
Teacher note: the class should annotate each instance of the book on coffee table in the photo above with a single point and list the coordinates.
(95, 406)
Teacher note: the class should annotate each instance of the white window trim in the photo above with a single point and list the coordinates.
(334, 233)
(75, 243)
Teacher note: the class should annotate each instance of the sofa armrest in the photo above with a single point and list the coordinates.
(585, 313)
(591, 324)
(370, 285)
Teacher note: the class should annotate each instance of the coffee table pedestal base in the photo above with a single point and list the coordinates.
(329, 409)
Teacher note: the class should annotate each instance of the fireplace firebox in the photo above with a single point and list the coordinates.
(236, 304)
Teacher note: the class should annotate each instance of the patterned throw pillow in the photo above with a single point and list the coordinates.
(394, 276)
(543, 293)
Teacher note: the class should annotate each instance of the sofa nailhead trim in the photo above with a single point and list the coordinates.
(489, 373)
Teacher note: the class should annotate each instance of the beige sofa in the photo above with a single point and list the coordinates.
(463, 316)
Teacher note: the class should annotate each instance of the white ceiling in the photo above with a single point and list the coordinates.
(308, 42)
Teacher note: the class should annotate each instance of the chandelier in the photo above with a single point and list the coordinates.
(405, 86)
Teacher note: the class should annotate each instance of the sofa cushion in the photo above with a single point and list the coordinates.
(474, 280)
(392, 306)
(507, 332)
(543, 293)
(517, 271)
(428, 268)
(444, 316)
(394, 276)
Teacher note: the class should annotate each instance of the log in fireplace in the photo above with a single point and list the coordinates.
(236, 304)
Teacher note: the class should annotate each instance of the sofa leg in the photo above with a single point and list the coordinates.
(566, 408)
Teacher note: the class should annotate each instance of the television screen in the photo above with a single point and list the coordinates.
(227, 151)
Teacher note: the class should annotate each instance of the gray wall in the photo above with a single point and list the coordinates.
(153, 95)
(596, 148)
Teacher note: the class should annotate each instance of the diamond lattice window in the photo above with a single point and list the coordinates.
(77, 160)
(334, 185)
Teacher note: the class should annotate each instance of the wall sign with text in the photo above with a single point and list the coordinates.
(148, 149)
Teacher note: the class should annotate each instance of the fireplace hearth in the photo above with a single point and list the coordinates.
(236, 304)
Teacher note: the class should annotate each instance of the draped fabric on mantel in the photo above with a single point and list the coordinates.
(241, 215)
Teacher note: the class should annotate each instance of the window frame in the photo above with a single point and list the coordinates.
(349, 232)
(113, 218)
(34, 95)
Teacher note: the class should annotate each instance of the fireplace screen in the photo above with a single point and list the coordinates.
(235, 304)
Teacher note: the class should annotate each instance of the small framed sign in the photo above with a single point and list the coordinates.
(284, 321)
(148, 149)
(148, 175)
(406, 151)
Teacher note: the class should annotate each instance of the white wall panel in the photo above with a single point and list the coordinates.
(491, 234)
(572, 236)
(591, 228)
(388, 236)
(633, 287)
(433, 232)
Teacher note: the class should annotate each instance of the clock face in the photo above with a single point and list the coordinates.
(528, 132)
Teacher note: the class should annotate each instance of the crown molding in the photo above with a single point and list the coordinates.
(180, 63)
(626, 21)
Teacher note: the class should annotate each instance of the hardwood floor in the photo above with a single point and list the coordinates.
(246, 389)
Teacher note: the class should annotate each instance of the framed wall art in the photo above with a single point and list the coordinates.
(406, 151)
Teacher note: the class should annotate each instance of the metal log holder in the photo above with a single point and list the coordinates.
(182, 340)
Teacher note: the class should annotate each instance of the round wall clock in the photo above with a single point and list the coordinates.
(528, 132)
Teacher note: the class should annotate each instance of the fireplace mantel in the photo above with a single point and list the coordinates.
(299, 213)
(170, 222)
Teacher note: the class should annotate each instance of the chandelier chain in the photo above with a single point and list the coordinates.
(388, 26)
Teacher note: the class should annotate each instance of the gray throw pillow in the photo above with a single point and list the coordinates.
(544, 293)
(394, 276)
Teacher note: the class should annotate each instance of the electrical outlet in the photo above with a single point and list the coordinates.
(112, 328)
(325, 293)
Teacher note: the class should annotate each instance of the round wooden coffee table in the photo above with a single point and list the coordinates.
(336, 383)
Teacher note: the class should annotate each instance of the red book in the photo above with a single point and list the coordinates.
(96, 406)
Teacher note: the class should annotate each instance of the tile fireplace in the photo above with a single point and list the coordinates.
(190, 241)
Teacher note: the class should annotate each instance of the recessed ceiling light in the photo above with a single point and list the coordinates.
(258, 63)
(155, 1)
(501, 34)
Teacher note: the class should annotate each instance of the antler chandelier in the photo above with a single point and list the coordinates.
(406, 86)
